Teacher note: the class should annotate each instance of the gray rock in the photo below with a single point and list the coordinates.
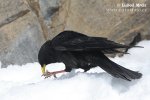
(26, 24)
(93, 17)
(20, 33)
(24, 49)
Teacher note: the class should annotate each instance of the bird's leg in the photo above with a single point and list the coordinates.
(49, 74)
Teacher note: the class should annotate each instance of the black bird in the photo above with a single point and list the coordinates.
(77, 50)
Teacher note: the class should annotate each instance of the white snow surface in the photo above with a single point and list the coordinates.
(26, 83)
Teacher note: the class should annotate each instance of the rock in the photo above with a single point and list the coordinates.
(20, 33)
(26, 24)
(24, 27)
(93, 17)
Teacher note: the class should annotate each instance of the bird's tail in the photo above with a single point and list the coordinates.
(119, 71)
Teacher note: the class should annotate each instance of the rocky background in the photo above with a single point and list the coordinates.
(26, 24)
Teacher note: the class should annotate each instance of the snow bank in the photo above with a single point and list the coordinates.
(25, 82)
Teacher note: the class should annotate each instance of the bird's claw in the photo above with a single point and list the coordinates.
(49, 74)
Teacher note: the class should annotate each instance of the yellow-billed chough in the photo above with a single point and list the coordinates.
(77, 50)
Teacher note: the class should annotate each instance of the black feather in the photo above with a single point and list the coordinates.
(77, 50)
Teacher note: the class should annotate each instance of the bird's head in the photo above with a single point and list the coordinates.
(44, 55)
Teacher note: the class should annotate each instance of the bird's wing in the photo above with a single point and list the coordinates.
(117, 70)
(65, 37)
(73, 41)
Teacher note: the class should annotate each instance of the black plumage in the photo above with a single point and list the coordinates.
(77, 50)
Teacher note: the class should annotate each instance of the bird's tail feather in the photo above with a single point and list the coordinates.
(119, 71)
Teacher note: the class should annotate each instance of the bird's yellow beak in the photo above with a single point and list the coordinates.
(43, 69)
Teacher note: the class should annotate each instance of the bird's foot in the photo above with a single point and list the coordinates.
(49, 74)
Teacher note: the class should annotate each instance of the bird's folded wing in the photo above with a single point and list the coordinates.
(88, 43)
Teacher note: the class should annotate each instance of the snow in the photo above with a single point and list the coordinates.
(26, 83)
